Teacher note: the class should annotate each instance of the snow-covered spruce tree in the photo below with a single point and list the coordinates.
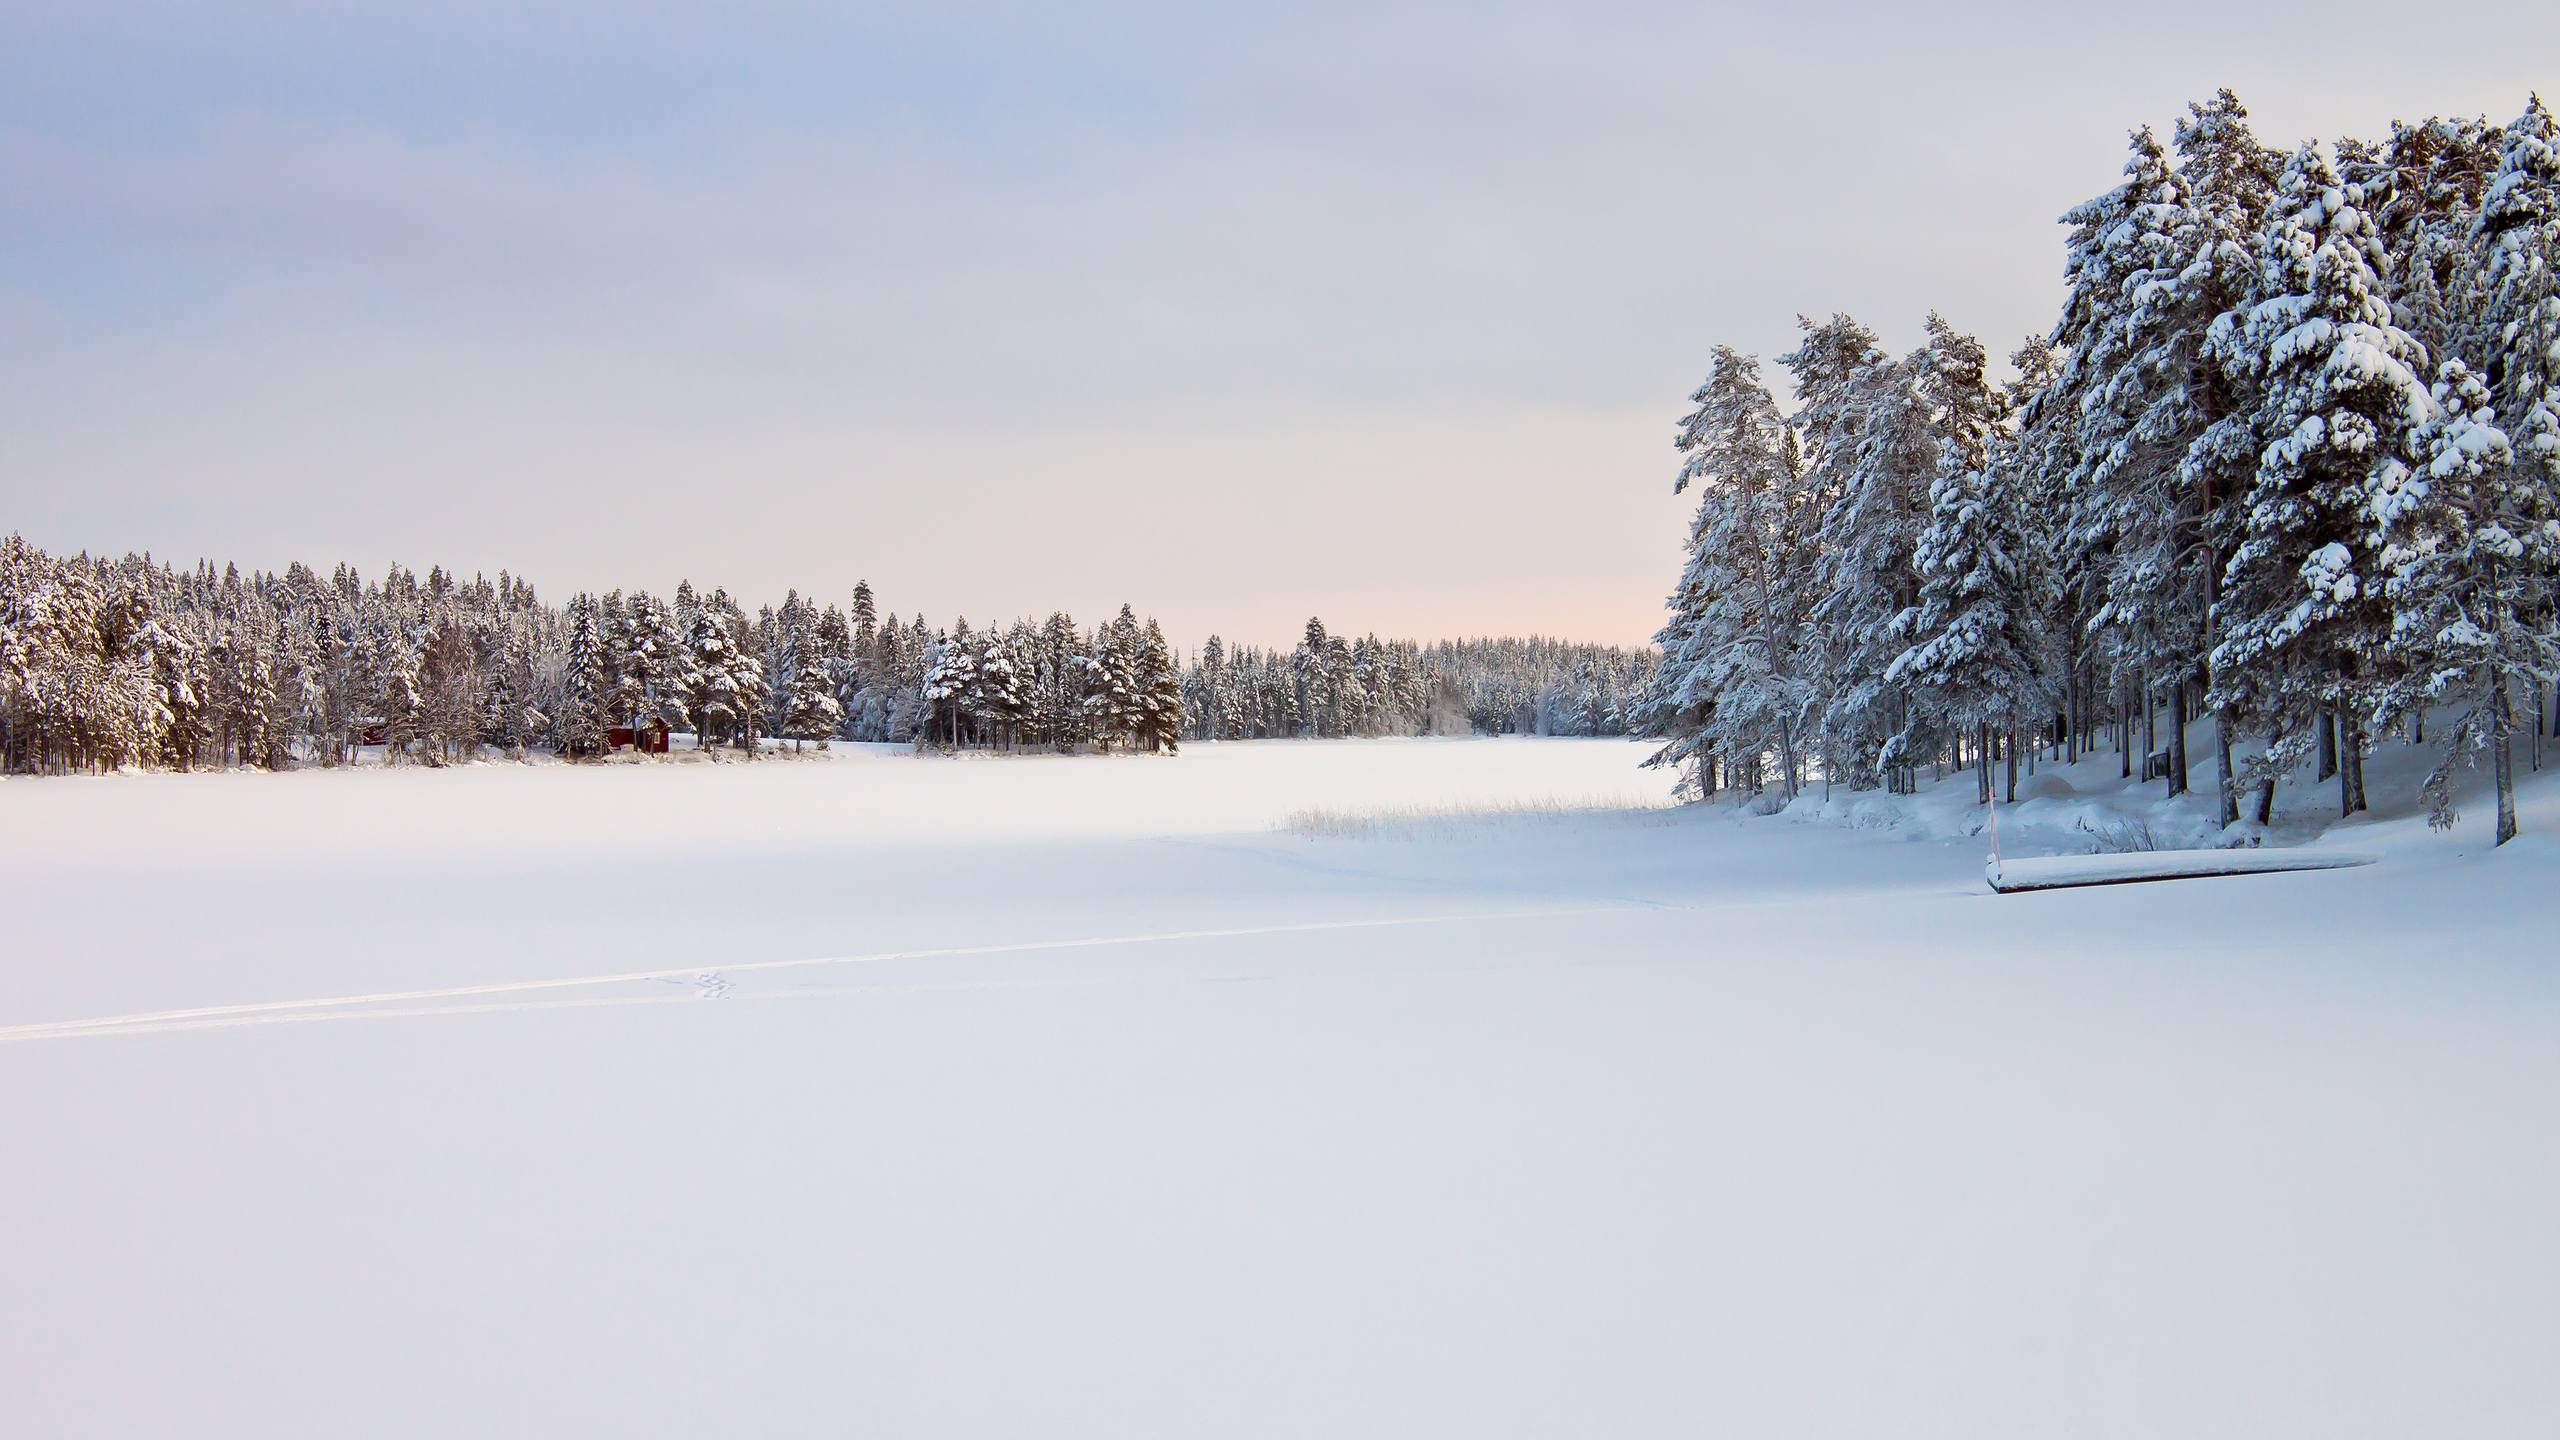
(662, 665)
(1212, 708)
(746, 673)
(514, 719)
(1159, 693)
(1731, 685)
(1059, 675)
(451, 677)
(2301, 617)
(772, 646)
(581, 721)
(622, 691)
(1111, 697)
(907, 659)
(1313, 664)
(714, 702)
(395, 669)
(1353, 708)
(810, 711)
(303, 679)
(2469, 559)
(1001, 694)
(835, 657)
(951, 674)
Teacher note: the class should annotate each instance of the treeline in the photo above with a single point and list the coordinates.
(129, 662)
(1328, 686)
(109, 663)
(2289, 461)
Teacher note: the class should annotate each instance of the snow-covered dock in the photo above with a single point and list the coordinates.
(2057, 872)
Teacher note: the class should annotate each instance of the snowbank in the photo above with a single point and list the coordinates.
(2090, 808)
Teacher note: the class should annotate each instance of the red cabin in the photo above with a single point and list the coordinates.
(650, 738)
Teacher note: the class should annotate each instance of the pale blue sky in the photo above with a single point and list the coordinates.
(1383, 311)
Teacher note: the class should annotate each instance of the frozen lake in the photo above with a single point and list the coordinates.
(1082, 1097)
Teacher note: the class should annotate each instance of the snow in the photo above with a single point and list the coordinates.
(1079, 1097)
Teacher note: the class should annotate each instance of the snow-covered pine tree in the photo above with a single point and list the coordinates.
(2470, 554)
(2423, 188)
(1732, 685)
(1864, 555)
(1827, 366)
(2156, 473)
(2301, 615)
(2074, 410)
(2518, 238)
(1974, 643)
(865, 621)
(2036, 471)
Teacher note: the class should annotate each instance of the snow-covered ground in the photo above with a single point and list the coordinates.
(1098, 1097)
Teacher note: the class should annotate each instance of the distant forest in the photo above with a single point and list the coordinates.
(112, 663)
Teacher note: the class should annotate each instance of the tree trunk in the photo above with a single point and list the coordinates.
(2178, 738)
(2226, 786)
(2350, 766)
(2328, 745)
(1787, 759)
(2150, 727)
(2502, 738)
(2012, 748)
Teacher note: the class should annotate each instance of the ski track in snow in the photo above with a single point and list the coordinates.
(705, 985)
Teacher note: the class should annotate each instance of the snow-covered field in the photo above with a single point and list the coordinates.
(1098, 1098)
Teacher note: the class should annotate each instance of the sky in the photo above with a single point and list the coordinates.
(1239, 314)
